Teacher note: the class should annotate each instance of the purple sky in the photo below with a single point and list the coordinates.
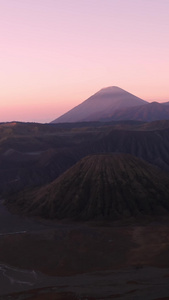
(56, 53)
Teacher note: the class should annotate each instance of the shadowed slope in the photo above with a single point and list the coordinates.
(147, 113)
(100, 187)
(100, 105)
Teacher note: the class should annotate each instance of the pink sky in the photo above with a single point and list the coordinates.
(55, 54)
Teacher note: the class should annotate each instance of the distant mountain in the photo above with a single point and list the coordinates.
(107, 186)
(101, 105)
(147, 113)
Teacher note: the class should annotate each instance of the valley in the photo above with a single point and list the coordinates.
(35, 154)
(47, 257)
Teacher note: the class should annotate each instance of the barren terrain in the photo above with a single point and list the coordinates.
(69, 260)
(63, 260)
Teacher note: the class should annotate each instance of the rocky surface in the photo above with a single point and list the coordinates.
(99, 187)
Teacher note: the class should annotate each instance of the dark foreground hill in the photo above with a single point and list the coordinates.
(101, 105)
(33, 155)
(106, 187)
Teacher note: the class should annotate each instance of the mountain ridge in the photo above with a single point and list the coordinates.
(36, 154)
(149, 112)
(106, 100)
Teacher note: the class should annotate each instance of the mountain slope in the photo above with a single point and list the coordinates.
(100, 187)
(147, 113)
(100, 105)
(33, 155)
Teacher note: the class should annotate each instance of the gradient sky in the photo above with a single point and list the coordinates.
(54, 54)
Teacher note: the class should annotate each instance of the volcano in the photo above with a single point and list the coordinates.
(100, 187)
(101, 105)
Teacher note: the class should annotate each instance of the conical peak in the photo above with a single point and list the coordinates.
(111, 89)
(101, 105)
(105, 186)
